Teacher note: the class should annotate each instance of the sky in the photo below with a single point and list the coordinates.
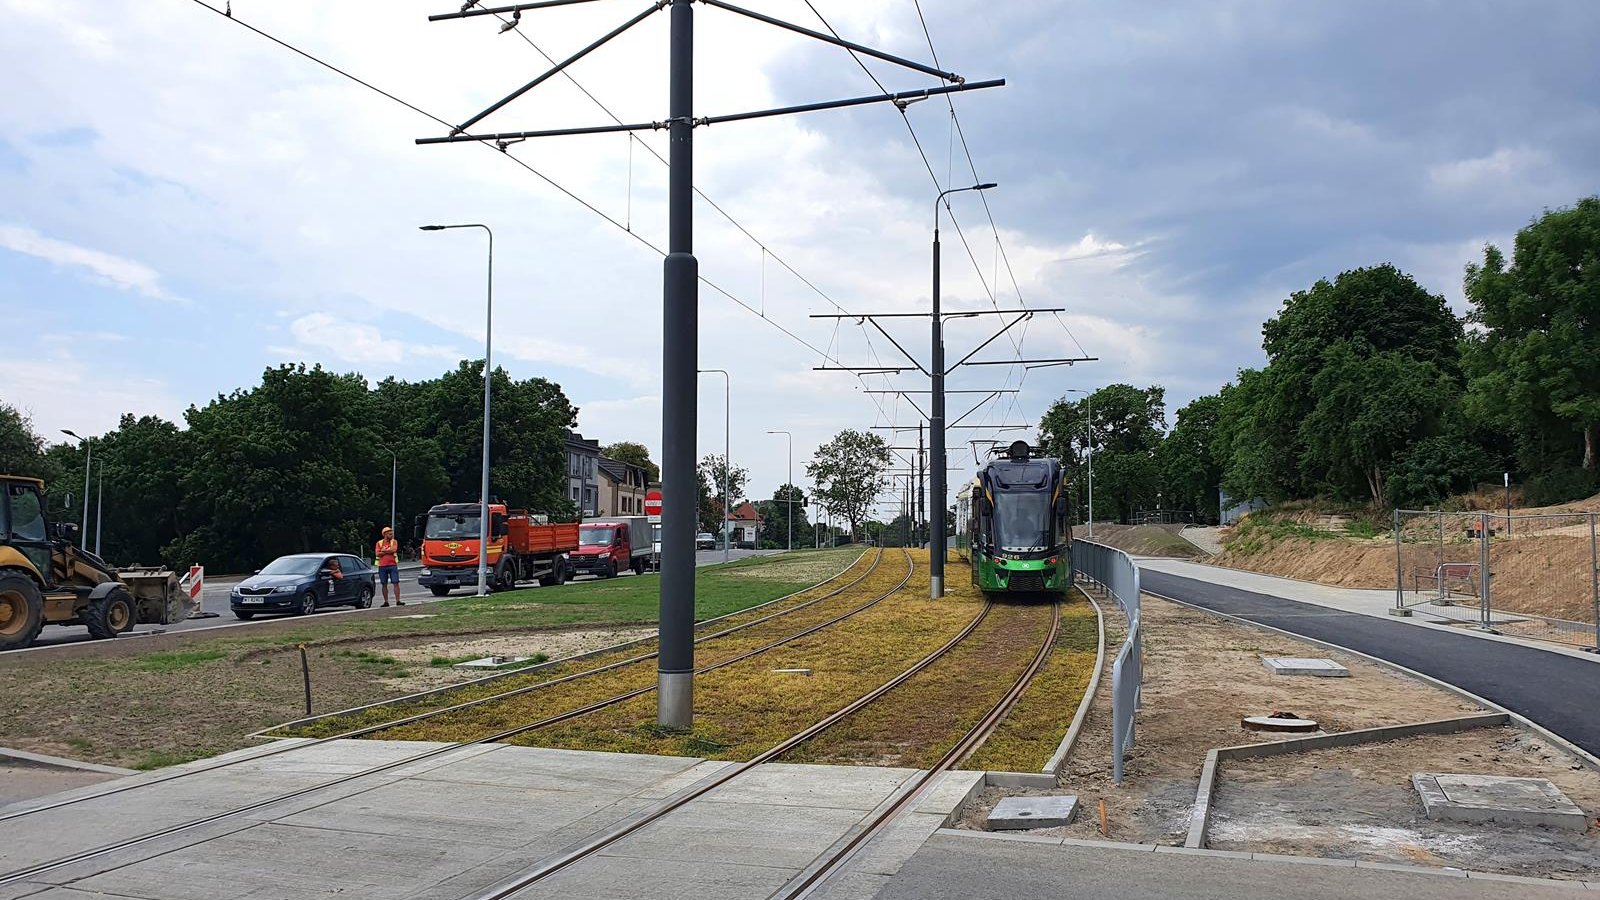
(184, 203)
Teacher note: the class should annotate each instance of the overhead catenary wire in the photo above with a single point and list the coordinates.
(624, 227)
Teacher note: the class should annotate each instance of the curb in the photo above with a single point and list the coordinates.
(1200, 815)
(1070, 740)
(1583, 756)
(1164, 849)
(42, 761)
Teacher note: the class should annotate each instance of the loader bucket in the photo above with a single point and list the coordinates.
(159, 598)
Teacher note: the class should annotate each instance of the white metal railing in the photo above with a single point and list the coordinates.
(1115, 572)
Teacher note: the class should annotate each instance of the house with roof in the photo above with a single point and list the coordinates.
(622, 488)
(583, 484)
(744, 524)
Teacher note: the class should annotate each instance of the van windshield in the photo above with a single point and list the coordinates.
(594, 537)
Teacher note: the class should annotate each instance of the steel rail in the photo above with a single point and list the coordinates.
(17, 875)
(808, 883)
(510, 886)
(372, 729)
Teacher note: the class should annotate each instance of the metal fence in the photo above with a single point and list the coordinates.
(1114, 572)
(1535, 576)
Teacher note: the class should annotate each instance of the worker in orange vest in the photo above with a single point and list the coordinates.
(387, 553)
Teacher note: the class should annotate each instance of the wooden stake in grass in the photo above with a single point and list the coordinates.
(1105, 827)
(305, 671)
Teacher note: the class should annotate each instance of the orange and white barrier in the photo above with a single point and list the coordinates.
(193, 584)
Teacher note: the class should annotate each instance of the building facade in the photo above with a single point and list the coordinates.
(622, 488)
(583, 473)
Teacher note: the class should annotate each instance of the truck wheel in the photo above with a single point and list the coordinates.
(638, 567)
(611, 570)
(504, 580)
(440, 591)
(556, 575)
(21, 610)
(111, 615)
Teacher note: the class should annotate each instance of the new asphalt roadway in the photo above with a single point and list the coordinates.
(1554, 690)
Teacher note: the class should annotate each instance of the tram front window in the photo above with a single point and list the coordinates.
(1022, 521)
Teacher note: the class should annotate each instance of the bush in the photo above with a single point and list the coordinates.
(1559, 486)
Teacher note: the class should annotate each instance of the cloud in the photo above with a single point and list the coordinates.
(105, 268)
(358, 342)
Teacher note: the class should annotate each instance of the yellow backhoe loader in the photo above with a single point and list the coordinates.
(46, 579)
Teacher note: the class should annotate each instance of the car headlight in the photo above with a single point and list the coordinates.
(284, 589)
(427, 572)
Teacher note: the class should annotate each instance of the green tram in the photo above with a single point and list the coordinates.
(1013, 525)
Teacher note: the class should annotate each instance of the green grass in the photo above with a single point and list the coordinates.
(160, 759)
(177, 660)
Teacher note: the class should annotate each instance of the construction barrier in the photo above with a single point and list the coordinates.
(194, 584)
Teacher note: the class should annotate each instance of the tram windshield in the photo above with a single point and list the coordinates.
(1022, 521)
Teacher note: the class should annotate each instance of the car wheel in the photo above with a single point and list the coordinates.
(242, 615)
(308, 603)
(364, 599)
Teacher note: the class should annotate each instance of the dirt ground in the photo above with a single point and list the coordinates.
(422, 674)
(1358, 803)
(1202, 675)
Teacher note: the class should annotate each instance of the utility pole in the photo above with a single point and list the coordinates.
(921, 506)
(680, 282)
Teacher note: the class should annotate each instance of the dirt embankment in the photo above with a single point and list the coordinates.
(1335, 561)
(1145, 540)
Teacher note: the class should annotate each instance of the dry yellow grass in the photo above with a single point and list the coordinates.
(619, 680)
(1028, 736)
(748, 707)
(498, 716)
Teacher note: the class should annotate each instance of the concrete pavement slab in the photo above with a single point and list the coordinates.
(788, 784)
(960, 868)
(748, 833)
(687, 778)
(558, 770)
(951, 792)
(1023, 813)
(611, 878)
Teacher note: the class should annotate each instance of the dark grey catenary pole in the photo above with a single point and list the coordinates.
(680, 322)
(488, 379)
(936, 543)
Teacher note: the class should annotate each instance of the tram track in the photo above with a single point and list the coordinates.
(368, 730)
(829, 863)
(38, 869)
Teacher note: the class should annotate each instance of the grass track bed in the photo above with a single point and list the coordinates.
(914, 724)
(512, 712)
(1030, 733)
(747, 707)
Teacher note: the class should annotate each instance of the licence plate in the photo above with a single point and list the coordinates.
(452, 579)
(256, 600)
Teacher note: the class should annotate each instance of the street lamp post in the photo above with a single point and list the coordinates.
(936, 546)
(99, 505)
(790, 501)
(488, 373)
(394, 482)
(727, 441)
(1088, 400)
(88, 459)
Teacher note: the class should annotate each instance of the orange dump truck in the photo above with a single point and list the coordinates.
(522, 547)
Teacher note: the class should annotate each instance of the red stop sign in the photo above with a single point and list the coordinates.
(652, 502)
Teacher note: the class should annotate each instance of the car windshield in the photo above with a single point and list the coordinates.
(594, 537)
(1022, 521)
(441, 528)
(293, 565)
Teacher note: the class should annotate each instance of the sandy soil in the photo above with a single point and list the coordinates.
(1358, 803)
(1202, 675)
(553, 644)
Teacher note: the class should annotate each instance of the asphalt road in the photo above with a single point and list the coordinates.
(1552, 689)
(214, 598)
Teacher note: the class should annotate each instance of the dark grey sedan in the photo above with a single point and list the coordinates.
(304, 583)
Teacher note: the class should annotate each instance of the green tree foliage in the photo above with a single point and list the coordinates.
(21, 449)
(635, 454)
(712, 470)
(1128, 430)
(775, 518)
(847, 473)
(1535, 364)
(1187, 461)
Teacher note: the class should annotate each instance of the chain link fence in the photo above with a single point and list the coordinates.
(1535, 576)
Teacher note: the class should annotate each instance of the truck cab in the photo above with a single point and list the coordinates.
(522, 547)
(608, 547)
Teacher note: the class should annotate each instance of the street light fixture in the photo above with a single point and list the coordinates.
(488, 372)
(88, 459)
(727, 441)
(394, 481)
(938, 539)
(790, 501)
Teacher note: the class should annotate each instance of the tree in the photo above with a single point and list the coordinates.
(713, 468)
(1536, 363)
(848, 474)
(21, 450)
(635, 454)
(1128, 425)
(775, 517)
(1189, 469)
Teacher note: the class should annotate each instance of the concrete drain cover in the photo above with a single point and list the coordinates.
(493, 662)
(1493, 798)
(1295, 665)
(1287, 723)
(1017, 813)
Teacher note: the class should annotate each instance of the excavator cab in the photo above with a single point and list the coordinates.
(45, 579)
